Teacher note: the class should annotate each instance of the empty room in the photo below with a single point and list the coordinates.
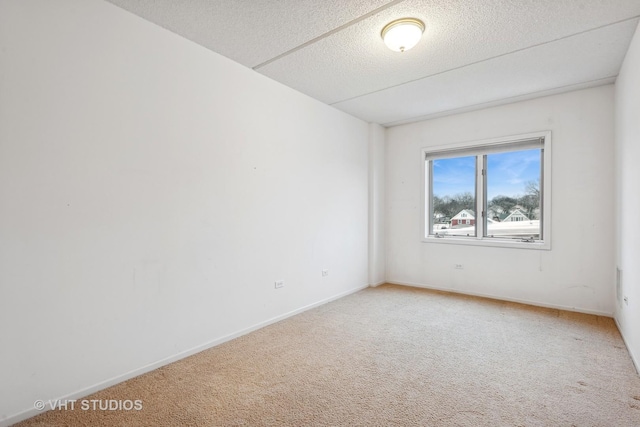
(322, 213)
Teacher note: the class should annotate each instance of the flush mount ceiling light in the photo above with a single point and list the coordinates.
(402, 34)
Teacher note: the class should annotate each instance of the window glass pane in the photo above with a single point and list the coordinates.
(513, 194)
(453, 204)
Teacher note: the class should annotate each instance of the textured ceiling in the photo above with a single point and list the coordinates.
(474, 52)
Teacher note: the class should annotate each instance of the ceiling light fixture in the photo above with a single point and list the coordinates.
(402, 34)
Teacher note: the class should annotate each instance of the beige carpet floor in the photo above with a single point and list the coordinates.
(393, 356)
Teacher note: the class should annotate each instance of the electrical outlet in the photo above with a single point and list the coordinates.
(626, 300)
(458, 266)
(325, 273)
(279, 284)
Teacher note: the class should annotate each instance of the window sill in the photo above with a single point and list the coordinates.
(488, 242)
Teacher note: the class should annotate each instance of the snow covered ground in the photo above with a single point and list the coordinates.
(516, 229)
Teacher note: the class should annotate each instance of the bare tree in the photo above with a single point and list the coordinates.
(533, 188)
(502, 205)
(449, 206)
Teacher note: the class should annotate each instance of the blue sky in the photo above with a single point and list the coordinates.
(508, 173)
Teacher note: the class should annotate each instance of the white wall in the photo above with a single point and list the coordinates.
(376, 204)
(151, 193)
(627, 128)
(577, 273)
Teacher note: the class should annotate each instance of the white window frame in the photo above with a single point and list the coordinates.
(476, 148)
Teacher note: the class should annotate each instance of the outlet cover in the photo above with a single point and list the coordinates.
(279, 284)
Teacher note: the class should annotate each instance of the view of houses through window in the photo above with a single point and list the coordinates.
(510, 183)
(513, 194)
(454, 196)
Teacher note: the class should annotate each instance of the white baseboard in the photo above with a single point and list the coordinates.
(373, 285)
(501, 298)
(12, 419)
(633, 358)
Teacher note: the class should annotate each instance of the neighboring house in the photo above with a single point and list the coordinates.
(464, 218)
(495, 216)
(516, 215)
(440, 218)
